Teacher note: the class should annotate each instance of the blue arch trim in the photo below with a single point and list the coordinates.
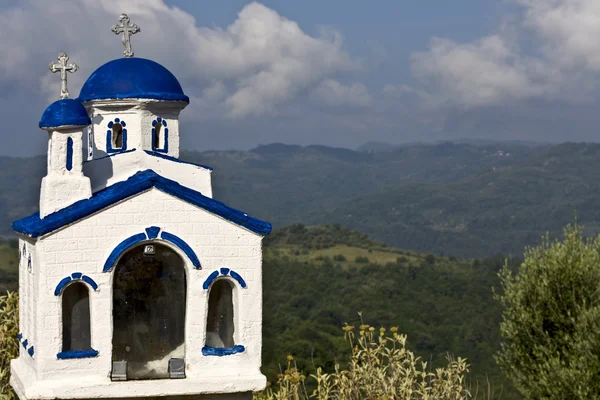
(222, 351)
(121, 247)
(223, 272)
(152, 232)
(75, 276)
(69, 154)
(177, 241)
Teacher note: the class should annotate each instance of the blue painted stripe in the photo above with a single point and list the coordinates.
(20, 336)
(31, 351)
(177, 160)
(65, 355)
(76, 275)
(223, 351)
(69, 154)
(152, 232)
(210, 280)
(25, 342)
(225, 271)
(35, 226)
(176, 240)
(238, 278)
(121, 247)
(110, 155)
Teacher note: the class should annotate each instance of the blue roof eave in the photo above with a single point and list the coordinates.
(35, 226)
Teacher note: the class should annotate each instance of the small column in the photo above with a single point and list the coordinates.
(64, 120)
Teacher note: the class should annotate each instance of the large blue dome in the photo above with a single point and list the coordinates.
(132, 78)
(65, 112)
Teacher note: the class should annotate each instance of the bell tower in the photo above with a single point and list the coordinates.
(64, 120)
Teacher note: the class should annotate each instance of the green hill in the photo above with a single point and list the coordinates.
(463, 199)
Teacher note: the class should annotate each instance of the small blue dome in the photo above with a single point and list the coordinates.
(65, 112)
(132, 78)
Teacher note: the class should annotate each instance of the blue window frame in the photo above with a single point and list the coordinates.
(116, 136)
(160, 135)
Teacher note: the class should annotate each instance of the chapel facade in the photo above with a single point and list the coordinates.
(134, 282)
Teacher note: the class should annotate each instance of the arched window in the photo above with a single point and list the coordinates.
(117, 136)
(76, 318)
(219, 324)
(160, 135)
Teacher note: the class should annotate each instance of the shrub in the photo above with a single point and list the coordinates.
(361, 260)
(9, 344)
(380, 367)
(339, 257)
(430, 259)
(551, 319)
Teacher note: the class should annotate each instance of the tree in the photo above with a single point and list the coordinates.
(551, 319)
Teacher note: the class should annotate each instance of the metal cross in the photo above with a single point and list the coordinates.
(63, 66)
(127, 28)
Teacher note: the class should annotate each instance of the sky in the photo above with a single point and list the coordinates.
(337, 72)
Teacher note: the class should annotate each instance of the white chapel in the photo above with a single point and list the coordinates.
(134, 282)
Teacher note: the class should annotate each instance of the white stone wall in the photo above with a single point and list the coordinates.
(138, 115)
(28, 297)
(85, 246)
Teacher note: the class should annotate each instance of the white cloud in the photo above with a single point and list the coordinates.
(260, 61)
(332, 93)
(495, 69)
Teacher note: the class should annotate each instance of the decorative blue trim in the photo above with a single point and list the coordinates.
(111, 155)
(65, 112)
(90, 282)
(132, 78)
(165, 148)
(177, 241)
(238, 278)
(25, 344)
(65, 355)
(109, 132)
(210, 280)
(75, 276)
(223, 272)
(69, 154)
(20, 336)
(31, 351)
(177, 160)
(35, 226)
(121, 247)
(222, 351)
(29, 266)
(152, 232)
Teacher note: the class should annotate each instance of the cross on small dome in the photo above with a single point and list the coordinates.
(63, 66)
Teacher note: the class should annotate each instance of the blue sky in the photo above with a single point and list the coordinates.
(339, 73)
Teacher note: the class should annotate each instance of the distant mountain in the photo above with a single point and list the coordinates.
(374, 146)
(461, 199)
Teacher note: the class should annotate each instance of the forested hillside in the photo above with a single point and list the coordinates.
(318, 278)
(462, 199)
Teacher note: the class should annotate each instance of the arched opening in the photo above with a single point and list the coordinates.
(117, 136)
(156, 140)
(76, 318)
(149, 301)
(219, 323)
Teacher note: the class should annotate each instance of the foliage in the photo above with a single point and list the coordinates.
(9, 344)
(380, 367)
(551, 319)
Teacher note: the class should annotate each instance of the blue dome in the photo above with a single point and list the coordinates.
(132, 78)
(65, 112)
